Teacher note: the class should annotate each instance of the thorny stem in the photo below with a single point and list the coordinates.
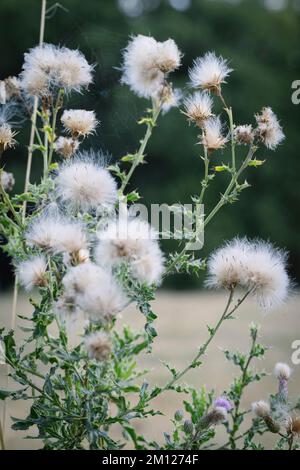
(236, 413)
(203, 348)
(227, 315)
(140, 153)
(206, 179)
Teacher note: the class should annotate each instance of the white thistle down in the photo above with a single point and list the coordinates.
(66, 146)
(32, 272)
(261, 409)
(55, 233)
(7, 180)
(146, 62)
(226, 265)
(244, 134)
(85, 185)
(282, 371)
(7, 136)
(94, 291)
(269, 129)
(266, 273)
(198, 107)
(98, 346)
(46, 67)
(209, 72)
(212, 137)
(256, 266)
(79, 122)
(133, 241)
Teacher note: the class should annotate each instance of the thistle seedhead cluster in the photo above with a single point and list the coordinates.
(48, 68)
(146, 66)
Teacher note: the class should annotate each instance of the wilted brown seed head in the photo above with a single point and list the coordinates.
(293, 425)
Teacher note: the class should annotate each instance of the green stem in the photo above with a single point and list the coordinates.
(139, 155)
(9, 204)
(45, 147)
(206, 179)
(236, 413)
(57, 107)
(203, 348)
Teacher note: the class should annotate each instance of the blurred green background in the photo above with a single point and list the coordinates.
(260, 38)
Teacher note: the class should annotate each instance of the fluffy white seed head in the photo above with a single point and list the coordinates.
(46, 67)
(85, 185)
(168, 56)
(32, 272)
(261, 409)
(198, 107)
(266, 273)
(244, 134)
(7, 180)
(55, 233)
(94, 291)
(79, 122)
(7, 136)
(98, 346)
(282, 371)
(146, 62)
(133, 241)
(209, 72)
(226, 266)
(256, 266)
(75, 72)
(66, 146)
(213, 138)
(269, 129)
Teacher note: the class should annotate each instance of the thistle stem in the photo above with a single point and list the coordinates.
(138, 157)
(222, 201)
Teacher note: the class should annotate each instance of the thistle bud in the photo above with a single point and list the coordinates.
(178, 416)
(188, 427)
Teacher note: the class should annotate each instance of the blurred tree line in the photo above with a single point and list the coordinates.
(262, 45)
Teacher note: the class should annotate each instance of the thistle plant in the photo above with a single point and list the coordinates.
(76, 244)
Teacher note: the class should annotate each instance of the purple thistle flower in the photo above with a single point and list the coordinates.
(223, 402)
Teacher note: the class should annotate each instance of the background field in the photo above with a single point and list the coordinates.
(182, 320)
